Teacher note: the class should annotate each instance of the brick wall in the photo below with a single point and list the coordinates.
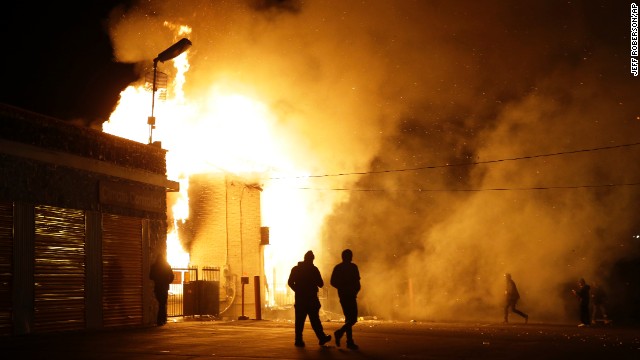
(225, 226)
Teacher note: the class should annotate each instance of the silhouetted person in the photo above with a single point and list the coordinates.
(598, 300)
(346, 278)
(162, 275)
(305, 280)
(512, 296)
(583, 294)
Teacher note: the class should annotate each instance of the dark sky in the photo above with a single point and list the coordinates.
(61, 62)
(58, 59)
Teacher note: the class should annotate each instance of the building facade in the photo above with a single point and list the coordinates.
(224, 230)
(81, 215)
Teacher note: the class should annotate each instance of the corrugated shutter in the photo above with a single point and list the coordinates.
(122, 281)
(6, 265)
(59, 270)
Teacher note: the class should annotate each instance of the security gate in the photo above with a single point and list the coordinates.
(122, 279)
(195, 293)
(59, 269)
(6, 266)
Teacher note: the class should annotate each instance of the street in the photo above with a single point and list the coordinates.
(265, 339)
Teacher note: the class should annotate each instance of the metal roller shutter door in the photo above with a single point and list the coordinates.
(6, 261)
(122, 279)
(59, 269)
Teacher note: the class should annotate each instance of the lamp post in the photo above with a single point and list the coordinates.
(171, 52)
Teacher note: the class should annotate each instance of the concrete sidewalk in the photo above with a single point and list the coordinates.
(264, 339)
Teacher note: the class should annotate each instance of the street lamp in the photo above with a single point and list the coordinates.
(171, 52)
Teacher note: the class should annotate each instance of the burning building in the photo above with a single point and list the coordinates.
(224, 231)
(81, 215)
(443, 152)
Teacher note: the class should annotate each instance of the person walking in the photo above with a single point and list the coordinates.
(511, 300)
(162, 275)
(346, 278)
(583, 294)
(305, 280)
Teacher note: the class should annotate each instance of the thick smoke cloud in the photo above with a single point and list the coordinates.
(527, 95)
(379, 85)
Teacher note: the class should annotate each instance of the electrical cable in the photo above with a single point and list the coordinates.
(460, 164)
(475, 190)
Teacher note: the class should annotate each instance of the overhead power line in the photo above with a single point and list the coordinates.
(462, 164)
(474, 190)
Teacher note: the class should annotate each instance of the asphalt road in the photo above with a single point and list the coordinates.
(263, 339)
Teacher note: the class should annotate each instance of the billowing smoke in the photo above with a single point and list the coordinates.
(375, 86)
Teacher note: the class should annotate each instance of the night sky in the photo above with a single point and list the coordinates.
(392, 94)
(58, 60)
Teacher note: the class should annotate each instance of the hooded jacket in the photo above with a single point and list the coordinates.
(305, 280)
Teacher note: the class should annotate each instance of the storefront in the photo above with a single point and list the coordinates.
(81, 215)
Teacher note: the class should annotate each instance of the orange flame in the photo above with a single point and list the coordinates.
(230, 131)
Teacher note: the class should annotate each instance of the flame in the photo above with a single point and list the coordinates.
(230, 130)
(178, 258)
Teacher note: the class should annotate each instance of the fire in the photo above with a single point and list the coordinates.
(229, 130)
(178, 258)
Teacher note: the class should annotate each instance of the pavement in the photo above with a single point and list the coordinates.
(266, 339)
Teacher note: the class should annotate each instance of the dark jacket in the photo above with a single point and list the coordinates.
(583, 294)
(512, 293)
(346, 278)
(161, 274)
(305, 279)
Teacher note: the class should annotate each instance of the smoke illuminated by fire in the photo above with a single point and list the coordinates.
(228, 130)
(283, 90)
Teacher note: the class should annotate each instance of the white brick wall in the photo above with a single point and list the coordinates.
(226, 215)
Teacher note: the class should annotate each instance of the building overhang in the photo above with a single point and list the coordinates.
(60, 158)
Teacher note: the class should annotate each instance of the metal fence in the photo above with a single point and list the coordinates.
(194, 292)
